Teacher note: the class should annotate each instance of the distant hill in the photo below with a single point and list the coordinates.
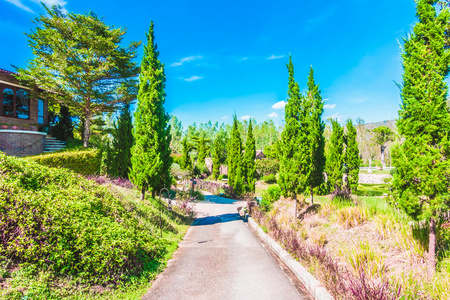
(389, 123)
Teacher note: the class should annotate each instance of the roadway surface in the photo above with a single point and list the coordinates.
(220, 258)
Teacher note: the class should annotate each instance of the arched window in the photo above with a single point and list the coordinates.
(8, 102)
(23, 104)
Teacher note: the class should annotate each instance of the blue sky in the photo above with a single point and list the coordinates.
(225, 56)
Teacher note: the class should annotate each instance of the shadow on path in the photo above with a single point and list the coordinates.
(211, 220)
(218, 200)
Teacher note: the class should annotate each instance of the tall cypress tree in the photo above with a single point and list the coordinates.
(294, 160)
(216, 159)
(315, 139)
(335, 157)
(352, 159)
(249, 159)
(422, 161)
(151, 159)
(122, 143)
(185, 162)
(235, 161)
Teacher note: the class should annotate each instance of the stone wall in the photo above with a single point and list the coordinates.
(372, 178)
(21, 143)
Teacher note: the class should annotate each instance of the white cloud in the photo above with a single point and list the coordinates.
(186, 59)
(245, 117)
(19, 4)
(273, 115)
(48, 3)
(335, 116)
(279, 105)
(275, 57)
(224, 117)
(325, 99)
(329, 106)
(192, 78)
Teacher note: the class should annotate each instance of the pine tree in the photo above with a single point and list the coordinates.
(315, 140)
(422, 161)
(249, 159)
(352, 160)
(294, 157)
(122, 143)
(151, 159)
(335, 157)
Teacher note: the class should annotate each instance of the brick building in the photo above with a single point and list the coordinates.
(21, 115)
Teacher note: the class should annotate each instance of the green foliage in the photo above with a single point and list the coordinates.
(64, 128)
(236, 166)
(294, 164)
(58, 221)
(393, 171)
(273, 151)
(382, 135)
(84, 161)
(185, 161)
(269, 196)
(176, 131)
(216, 159)
(422, 161)
(79, 61)
(151, 159)
(271, 178)
(119, 153)
(267, 166)
(351, 159)
(335, 157)
(249, 160)
(316, 140)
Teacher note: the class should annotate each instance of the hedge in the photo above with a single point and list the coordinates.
(85, 162)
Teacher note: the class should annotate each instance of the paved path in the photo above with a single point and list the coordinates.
(220, 258)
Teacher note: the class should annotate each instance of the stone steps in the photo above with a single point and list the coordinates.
(52, 144)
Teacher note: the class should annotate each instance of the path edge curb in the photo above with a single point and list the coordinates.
(316, 289)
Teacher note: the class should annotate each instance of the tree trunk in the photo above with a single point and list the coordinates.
(383, 147)
(295, 207)
(432, 248)
(311, 192)
(142, 193)
(87, 132)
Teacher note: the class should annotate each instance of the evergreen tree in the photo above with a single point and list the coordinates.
(422, 161)
(335, 157)
(64, 128)
(122, 143)
(352, 160)
(185, 162)
(294, 157)
(151, 159)
(249, 159)
(79, 62)
(316, 140)
(235, 164)
(216, 159)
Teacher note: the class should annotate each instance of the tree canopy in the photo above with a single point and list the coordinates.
(79, 62)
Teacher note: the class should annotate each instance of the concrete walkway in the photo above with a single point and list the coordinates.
(220, 258)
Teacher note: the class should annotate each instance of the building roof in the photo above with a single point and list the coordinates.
(7, 72)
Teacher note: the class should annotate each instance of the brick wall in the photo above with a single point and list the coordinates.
(21, 143)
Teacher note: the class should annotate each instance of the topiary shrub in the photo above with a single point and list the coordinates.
(393, 171)
(85, 161)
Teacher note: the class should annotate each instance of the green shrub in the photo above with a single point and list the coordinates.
(222, 177)
(393, 171)
(85, 161)
(61, 222)
(270, 178)
(269, 196)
